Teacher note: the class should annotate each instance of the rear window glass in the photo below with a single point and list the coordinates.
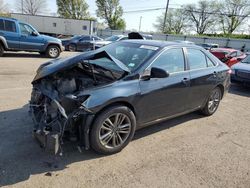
(10, 26)
(196, 59)
(1, 25)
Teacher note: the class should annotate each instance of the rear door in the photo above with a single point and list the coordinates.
(164, 97)
(203, 77)
(9, 32)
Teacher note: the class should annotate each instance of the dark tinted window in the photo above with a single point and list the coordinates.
(10, 26)
(171, 60)
(1, 25)
(196, 59)
(86, 38)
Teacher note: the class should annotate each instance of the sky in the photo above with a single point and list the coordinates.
(132, 18)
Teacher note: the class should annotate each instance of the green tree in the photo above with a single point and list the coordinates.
(233, 13)
(175, 22)
(75, 9)
(202, 15)
(111, 12)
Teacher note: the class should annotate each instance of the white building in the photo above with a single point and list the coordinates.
(58, 26)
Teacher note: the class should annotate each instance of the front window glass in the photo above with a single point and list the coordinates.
(132, 55)
(196, 59)
(26, 29)
(171, 61)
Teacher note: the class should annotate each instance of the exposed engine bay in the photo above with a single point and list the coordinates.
(56, 103)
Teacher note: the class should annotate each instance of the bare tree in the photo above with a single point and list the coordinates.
(3, 7)
(233, 13)
(32, 7)
(176, 22)
(201, 15)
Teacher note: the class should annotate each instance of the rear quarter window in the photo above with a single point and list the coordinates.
(10, 26)
(1, 25)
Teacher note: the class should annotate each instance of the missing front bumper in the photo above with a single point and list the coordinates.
(48, 141)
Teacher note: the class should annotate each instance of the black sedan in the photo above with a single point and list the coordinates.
(80, 43)
(100, 98)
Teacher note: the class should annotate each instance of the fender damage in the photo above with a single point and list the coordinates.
(57, 99)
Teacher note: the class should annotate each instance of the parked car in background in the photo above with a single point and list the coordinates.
(228, 56)
(101, 97)
(20, 36)
(116, 38)
(81, 43)
(209, 46)
(241, 71)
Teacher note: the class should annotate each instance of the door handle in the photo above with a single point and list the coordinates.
(185, 81)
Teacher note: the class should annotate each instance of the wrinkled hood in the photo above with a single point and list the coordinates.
(49, 38)
(57, 65)
(241, 66)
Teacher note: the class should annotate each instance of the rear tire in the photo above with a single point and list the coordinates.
(1, 50)
(53, 51)
(213, 102)
(112, 130)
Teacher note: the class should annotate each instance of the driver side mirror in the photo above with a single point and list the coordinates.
(158, 73)
(33, 33)
(155, 73)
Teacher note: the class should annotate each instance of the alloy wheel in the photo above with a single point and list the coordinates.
(115, 130)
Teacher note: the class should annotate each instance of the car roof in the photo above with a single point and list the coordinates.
(7, 18)
(160, 44)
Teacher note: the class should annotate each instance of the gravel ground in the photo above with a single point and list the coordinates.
(189, 151)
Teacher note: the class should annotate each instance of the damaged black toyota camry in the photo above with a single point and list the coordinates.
(99, 98)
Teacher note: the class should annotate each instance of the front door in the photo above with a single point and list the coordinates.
(165, 97)
(30, 39)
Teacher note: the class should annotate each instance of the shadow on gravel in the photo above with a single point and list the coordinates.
(21, 157)
(239, 89)
(22, 55)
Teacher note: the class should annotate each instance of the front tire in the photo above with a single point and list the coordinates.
(213, 102)
(112, 130)
(72, 47)
(53, 51)
(1, 50)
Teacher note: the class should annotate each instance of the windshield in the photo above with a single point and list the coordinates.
(112, 38)
(246, 60)
(132, 55)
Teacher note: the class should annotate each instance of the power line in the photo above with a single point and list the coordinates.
(195, 11)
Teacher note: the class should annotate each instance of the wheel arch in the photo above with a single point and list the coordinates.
(221, 87)
(3, 43)
(51, 44)
(118, 103)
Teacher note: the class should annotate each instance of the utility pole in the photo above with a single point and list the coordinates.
(22, 6)
(165, 17)
(140, 24)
